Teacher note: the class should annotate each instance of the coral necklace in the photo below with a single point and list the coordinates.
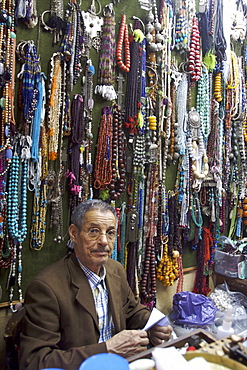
(123, 39)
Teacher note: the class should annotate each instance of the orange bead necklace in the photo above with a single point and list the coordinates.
(123, 40)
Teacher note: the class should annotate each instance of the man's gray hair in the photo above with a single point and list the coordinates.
(78, 215)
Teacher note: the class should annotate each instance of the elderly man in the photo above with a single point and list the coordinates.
(82, 305)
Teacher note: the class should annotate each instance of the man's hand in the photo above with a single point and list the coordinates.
(128, 342)
(158, 334)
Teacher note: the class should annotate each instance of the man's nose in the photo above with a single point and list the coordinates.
(103, 238)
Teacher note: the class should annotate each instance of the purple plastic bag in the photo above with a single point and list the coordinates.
(192, 309)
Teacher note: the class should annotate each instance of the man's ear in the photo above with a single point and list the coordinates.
(73, 231)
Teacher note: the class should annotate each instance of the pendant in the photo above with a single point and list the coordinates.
(93, 25)
(194, 118)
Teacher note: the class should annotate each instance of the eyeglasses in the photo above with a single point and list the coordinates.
(95, 233)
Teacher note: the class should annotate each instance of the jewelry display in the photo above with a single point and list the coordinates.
(169, 151)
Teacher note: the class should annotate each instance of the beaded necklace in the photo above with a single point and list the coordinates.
(123, 40)
(7, 83)
(17, 225)
(86, 166)
(167, 270)
(6, 250)
(202, 102)
(194, 55)
(29, 77)
(54, 106)
(17, 211)
(132, 88)
(181, 28)
(148, 282)
(77, 139)
(106, 68)
(118, 185)
(103, 160)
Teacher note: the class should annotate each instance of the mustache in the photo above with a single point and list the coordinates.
(106, 250)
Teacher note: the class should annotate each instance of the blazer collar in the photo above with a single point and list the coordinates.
(80, 281)
(113, 283)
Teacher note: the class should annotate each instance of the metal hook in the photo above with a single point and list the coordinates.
(137, 18)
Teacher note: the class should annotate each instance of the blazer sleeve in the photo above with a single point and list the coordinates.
(40, 345)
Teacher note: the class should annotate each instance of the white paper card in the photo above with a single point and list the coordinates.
(156, 318)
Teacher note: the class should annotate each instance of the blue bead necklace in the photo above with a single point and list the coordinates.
(17, 199)
(17, 216)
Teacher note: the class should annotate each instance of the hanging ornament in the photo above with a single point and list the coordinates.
(106, 68)
(93, 27)
(55, 23)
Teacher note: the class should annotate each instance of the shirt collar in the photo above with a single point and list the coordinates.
(93, 278)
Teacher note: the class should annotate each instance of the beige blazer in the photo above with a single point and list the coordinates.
(61, 325)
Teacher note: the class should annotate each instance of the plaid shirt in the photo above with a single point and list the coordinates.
(100, 294)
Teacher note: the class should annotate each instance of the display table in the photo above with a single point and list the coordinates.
(178, 343)
(214, 351)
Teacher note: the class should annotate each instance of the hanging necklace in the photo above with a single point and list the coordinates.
(148, 282)
(117, 185)
(103, 161)
(106, 68)
(123, 41)
(194, 55)
(202, 102)
(17, 211)
(54, 106)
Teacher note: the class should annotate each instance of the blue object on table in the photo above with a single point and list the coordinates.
(105, 361)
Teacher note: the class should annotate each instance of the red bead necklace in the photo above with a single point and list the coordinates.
(123, 40)
(194, 55)
(103, 162)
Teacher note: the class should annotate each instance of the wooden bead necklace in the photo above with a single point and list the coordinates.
(148, 282)
(132, 89)
(118, 185)
(77, 139)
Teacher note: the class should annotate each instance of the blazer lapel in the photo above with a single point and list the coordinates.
(84, 294)
(114, 293)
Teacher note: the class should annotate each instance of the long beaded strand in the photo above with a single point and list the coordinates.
(103, 161)
(106, 68)
(17, 214)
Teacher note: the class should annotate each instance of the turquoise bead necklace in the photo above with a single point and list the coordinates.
(17, 215)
